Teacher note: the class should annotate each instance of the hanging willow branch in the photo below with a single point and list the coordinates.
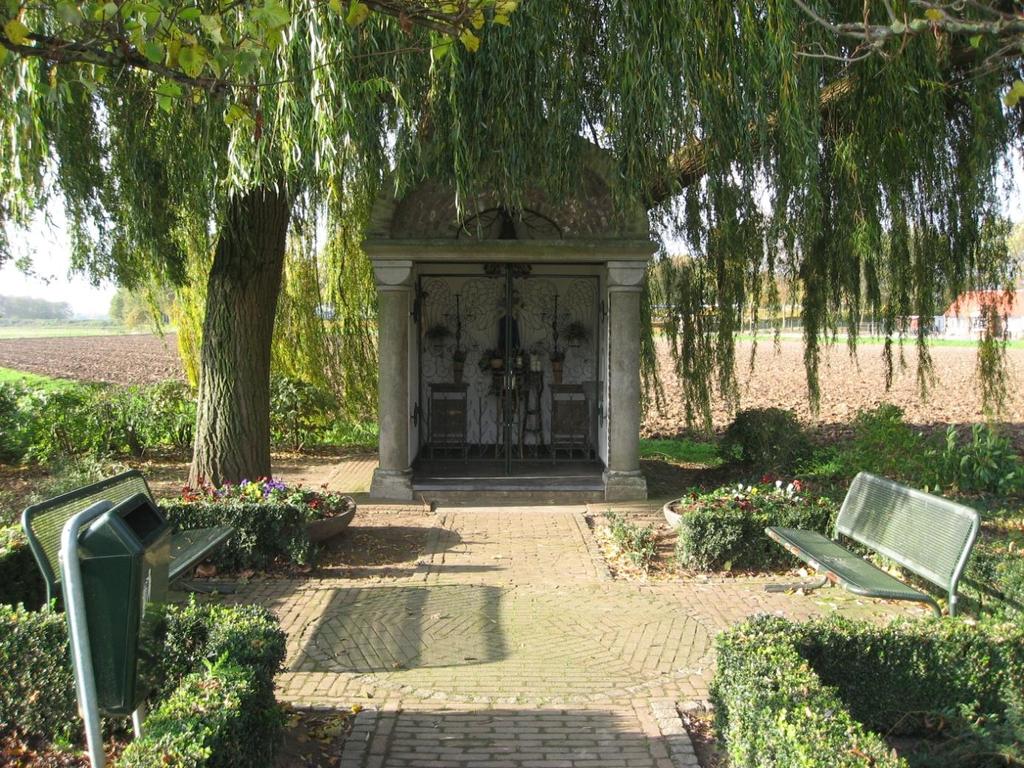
(212, 46)
(866, 189)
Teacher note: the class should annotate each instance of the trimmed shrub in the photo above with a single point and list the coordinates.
(993, 583)
(249, 635)
(37, 691)
(771, 709)
(804, 694)
(883, 444)
(20, 580)
(265, 532)
(913, 667)
(39, 701)
(268, 516)
(724, 530)
(214, 718)
(771, 438)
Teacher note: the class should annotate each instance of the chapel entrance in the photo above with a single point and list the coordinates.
(509, 374)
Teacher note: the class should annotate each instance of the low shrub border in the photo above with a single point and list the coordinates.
(39, 702)
(270, 520)
(264, 532)
(724, 530)
(806, 694)
(215, 718)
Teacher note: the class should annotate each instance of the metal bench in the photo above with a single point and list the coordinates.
(44, 522)
(928, 535)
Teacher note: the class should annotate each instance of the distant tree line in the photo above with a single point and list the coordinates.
(26, 308)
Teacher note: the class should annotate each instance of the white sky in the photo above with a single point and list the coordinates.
(47, 245)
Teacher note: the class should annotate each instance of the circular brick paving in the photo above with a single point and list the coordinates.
(481, 642)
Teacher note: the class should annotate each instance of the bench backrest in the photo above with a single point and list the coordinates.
(44, 522)
(928, 535)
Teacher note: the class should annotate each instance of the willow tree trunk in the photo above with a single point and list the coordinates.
(233, 419)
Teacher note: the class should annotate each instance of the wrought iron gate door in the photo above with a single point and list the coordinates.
(515, 342)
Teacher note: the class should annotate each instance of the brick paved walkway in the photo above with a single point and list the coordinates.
(509, 645)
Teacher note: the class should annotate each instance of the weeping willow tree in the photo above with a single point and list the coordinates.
(325, 327)
(758, 131)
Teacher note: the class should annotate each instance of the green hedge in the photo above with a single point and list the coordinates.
(20, 580)
(197, 634)
(724, 529)
(806, 695)
(912, 666)
(264, 531)
(39, 423)
(216, 718)
(771, 438)
(39, 702)
(37, 689)
(994, 582)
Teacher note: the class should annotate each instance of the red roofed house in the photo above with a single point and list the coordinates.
(966, 316)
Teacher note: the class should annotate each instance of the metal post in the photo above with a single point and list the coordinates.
(137, 717)
(81, 653)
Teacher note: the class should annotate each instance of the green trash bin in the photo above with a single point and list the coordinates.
(124, 556)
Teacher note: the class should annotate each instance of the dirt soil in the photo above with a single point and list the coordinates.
(698, 724)
(130, 359)
(778, 380)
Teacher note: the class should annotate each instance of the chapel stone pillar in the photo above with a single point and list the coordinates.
(393, 477)
(622, 479)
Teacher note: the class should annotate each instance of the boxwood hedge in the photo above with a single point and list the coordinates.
(229, 707)
(264, 531)
(38, 700)
(215, 718)
(724, 529)
(815, 695)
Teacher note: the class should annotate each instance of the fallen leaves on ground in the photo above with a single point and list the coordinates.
(314, 738)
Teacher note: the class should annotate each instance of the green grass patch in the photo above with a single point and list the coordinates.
(11, 376)
(683, 450)
(908, 342)
(53, 330)
(354, 434)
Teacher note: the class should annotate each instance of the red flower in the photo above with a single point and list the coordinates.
(798, 486)
(768, 478)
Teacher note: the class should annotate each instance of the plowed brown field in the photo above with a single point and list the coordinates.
(777, 379)
(133, 359)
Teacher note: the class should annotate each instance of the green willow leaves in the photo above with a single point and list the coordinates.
(864, 188)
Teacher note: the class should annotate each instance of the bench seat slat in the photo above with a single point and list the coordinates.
(854, 573)
(190, 547)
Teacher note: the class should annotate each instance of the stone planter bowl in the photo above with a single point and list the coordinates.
(328, 528)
